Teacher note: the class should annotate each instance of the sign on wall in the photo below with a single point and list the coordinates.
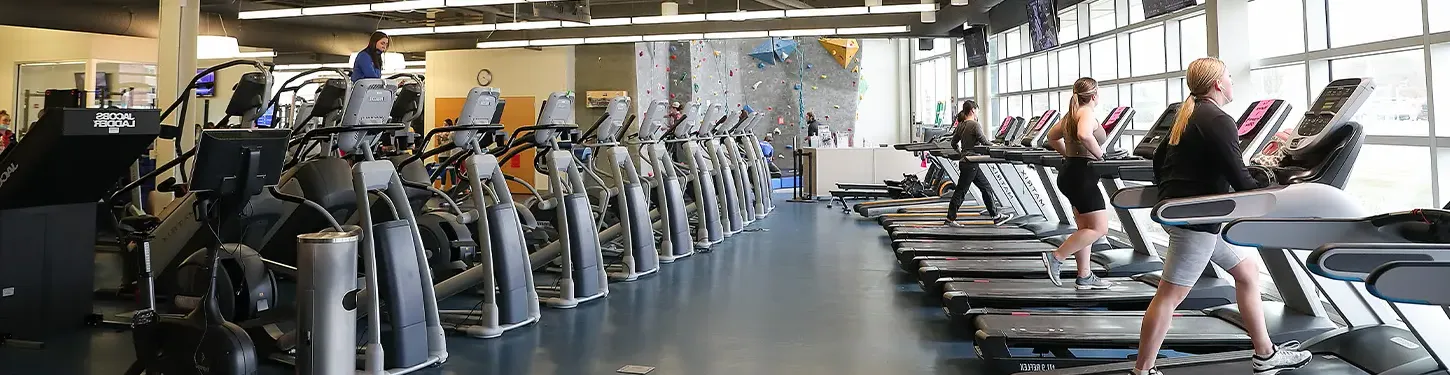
(600, 99)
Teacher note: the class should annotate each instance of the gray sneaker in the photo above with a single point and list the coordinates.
(1093, 282)
(1287, 356)
(954, 224)
(1054, 268)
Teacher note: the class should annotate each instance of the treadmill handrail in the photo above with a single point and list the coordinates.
(1359, 256)
(1307, 200)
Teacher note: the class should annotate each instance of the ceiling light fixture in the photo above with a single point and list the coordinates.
(672, 37)
(274, 13)
(470, 3)
(556, 42)
(216, 47)
(802, 32)
(336, 9)
(621, 21)
(960, 3)
(678, 18)
(394, 6)
(464, 28)
(904, 8)
(531, 25)
(254, 55)
(408, 31)
(745, 15)
(826, 12)
(737, 35)
(872, 30)
(416, 63)
(504, 44)
(614, 39)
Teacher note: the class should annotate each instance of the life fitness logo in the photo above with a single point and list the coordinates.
(114, 121)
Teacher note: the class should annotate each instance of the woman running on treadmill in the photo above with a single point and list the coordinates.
(1201, 157)
(967, 134)
(1079, 139)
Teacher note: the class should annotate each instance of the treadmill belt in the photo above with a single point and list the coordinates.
(1236, 362)
(1099, 329)
(970, 245)
(990, 233)
(1043, 290)
(993, 265)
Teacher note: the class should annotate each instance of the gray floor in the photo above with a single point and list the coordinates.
(813, 292)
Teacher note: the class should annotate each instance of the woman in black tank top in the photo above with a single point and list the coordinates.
(1079, 138)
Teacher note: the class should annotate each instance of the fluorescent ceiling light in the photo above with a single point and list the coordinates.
(803, 32)
(533, 25)
(216, 47)
(337, 65)
(742, 16)
(672, 37)
(274, 13)
(407, 5)
(556, 42)
(252, 55)
(464, 28)
(614, 39)
(903, 8)
(668, 19)
(825, 12)
(408, 31)
(872, 30)
(469, 3)
(600, 22)
(416, 63)
(504, 44)
(737, 35)
(337, 9)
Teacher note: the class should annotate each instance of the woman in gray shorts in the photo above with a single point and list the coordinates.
(1201, 157)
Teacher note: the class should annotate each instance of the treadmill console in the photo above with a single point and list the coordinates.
(1259, 121)
(1337, 103)
(1004, 129)
(370, 102)
(1018, 127)
(656, 120)
(479, 107)
(1038, 134)
(557, 110)
(1114, 126)
(711, 119)
(731, 119)
(614, 116)
(1158, 133)
(692, 121)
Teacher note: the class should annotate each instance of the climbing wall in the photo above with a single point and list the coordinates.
(652, 60)
(809, 80)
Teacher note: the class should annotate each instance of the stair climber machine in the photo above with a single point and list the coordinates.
(757, 165)
(693, 164)
(613, 171)
(299, 109)
(724, 153)
(1305, 180)
(1132, 292)
(500, 271)
(664, 180)
(723, 178)
(581, 274)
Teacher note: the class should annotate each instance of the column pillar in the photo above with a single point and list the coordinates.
(1228, 40)
(175, 65)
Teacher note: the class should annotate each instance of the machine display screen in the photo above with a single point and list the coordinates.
(1260, 109)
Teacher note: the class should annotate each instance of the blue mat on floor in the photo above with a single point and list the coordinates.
(782, 183)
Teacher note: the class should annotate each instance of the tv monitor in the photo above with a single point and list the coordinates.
(1154, 8)
(975, 39)
(206, 86)
(1042, 23)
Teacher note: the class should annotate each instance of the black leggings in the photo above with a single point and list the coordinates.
(959, 193)
(1077, 182)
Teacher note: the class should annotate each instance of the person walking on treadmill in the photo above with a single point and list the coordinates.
(1202, 157)
(1079, 139)
(967, 134)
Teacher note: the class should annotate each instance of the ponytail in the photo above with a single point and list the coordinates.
(1082, 92)
(1180, 121)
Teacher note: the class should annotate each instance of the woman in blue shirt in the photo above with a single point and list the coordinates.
(369, 61)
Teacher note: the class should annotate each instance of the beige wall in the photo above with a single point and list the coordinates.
(40, 45)
(516, 72)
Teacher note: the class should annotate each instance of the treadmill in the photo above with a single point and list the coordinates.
(1305, 171)
(1402, 259)
(1259, 120)
(937, 153)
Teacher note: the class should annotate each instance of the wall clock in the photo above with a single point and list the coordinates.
(485, 77)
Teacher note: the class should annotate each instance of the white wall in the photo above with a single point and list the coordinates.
(880, 112)
(21, 44)
(516, 72)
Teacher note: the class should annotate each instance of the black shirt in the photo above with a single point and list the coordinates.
(1206, 160)
(813, 127)
(967, 134)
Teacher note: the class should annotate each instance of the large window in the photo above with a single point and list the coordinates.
(1014, 76)
(1288, 83)
(1150, 99)
(1392, 178)
(1067, 66)
(933, 90)
(1067, 25)
(1277, 27)
(1037, 66)
(1147, 51)
(1012, 41)
(1395, 107)
(1192, 40)
(1359, 21)
(1439, 16)
(1101, 17)
(1105, 59)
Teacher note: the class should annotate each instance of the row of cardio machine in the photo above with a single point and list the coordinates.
(335, 202)
(1363, 292)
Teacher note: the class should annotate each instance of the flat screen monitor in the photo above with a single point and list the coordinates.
(1042, 22)
(975, 39)
(1154, 8)
(206, 86)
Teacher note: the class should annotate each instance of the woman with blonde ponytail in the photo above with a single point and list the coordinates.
(1201, 157)
(1080, 140)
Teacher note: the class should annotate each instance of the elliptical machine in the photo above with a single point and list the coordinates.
(620, 185)
(675, 240)
(701, 175)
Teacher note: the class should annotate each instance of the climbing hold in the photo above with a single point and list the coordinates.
(836, 106)
(809, 66)
(641, 53)
(666, 68)
(760, 65)
(646, 91)
(815, 88)
(780, 120)
(732, 73)
(797, 86)
(770, 108)
(756, 85)
(672, 57)
(717, 53)
(823, 76)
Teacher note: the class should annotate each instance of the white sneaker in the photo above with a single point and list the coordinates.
(1287, 356)
(1152, 371)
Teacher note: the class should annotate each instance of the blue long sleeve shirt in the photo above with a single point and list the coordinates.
(362, 67)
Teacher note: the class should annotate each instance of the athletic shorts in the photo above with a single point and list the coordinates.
(1079, 184)
(1190, 251)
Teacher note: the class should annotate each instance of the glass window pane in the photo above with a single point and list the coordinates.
(1150, 99)
(1439, 16)
(1399, 97)
(1350, 20)
(1135, 11)
(961, 56)
(1067, 66)
(1284, 20)
(1193, 39)
(1147, 55)
(1014, 76)
(1105, 59)
(1051, 73)
(1067, 25)
(1392, 178)
(1040, 103)
(1014, 105)
(1038, 71)
(1101, 17)
(1287, 83)
(1107, 99)
(1013, 41)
